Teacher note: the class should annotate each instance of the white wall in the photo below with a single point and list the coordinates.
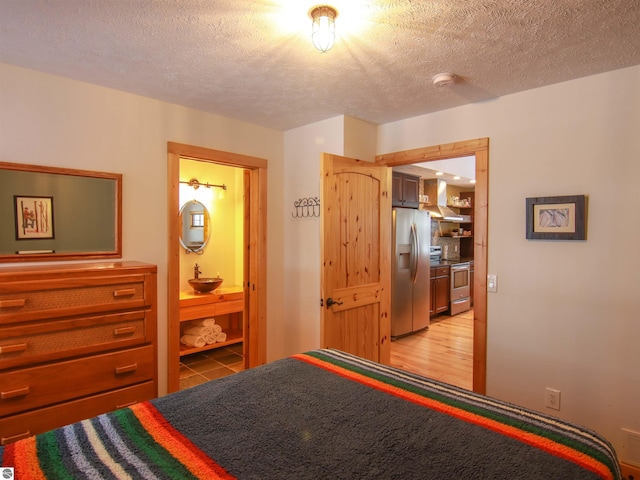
(566, 314)
(359, 139)
(49, 120)
(299, 329)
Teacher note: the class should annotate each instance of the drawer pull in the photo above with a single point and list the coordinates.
(16, 347)
(18, 302)
(126, 369)
(18, 392)
(14, 438)
(124, 292)
(123, 331)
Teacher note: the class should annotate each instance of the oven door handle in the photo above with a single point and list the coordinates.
(414, 253)
(460, 267)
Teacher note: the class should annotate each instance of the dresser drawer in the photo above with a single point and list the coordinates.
(34, 387)
(37, 342)
(54, 298)
(26, 424)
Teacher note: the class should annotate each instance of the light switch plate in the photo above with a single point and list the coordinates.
(492, 283)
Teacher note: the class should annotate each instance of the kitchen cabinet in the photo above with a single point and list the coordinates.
(439, 290)
(76, 341)
(405, 190)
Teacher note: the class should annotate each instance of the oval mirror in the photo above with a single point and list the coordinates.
(194, 218)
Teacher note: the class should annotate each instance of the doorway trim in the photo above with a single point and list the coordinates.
(255, 265)
(480, 148)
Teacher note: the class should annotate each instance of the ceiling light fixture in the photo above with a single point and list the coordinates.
(323, 30)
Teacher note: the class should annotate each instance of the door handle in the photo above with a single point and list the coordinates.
(414, 253)
(331, 301)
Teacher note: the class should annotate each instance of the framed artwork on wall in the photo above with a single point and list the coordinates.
(556, 218)
(33, 217)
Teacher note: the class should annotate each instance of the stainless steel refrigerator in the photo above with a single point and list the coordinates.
(410, 271)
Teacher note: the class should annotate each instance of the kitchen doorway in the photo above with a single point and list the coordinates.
(480, 149)
(254, 252)
(444, 350)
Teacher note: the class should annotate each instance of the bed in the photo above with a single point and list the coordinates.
(320, 414)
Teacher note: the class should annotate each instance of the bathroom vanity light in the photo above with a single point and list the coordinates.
(323, 31)
(196, 184)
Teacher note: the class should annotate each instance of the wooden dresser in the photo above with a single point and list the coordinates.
(75, 341)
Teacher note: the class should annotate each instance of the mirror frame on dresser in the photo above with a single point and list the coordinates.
(114, 249)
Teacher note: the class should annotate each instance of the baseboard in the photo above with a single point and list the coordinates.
(629, 472)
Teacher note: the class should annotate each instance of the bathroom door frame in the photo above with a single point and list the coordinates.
(255, 253)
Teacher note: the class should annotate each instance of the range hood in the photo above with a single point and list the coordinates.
(440, 211)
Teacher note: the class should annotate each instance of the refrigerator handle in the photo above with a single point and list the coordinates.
(414, 253)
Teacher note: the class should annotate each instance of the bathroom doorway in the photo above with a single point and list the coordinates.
(253, 265)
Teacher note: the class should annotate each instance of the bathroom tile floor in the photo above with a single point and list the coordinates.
(201, 367)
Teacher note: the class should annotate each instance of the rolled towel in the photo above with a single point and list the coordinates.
(217, 329)
(193, 340)
(200, 331)
(204, 322)
(222, 337)
(211, 338)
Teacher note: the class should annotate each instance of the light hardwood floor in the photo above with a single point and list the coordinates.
(443, 352)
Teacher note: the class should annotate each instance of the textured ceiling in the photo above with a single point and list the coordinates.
(254, 61)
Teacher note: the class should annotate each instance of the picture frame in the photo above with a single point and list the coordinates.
(33, 217)
(556, 218)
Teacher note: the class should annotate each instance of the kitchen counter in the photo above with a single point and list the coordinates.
(444, 263)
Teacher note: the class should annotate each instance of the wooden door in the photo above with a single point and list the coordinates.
(356, 264)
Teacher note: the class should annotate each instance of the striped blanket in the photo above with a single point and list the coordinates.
(322, 414)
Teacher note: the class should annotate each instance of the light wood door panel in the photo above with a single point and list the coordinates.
(356, 230)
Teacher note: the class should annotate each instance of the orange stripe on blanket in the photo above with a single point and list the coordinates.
(542, 443)
(25, 456)
(196, 461)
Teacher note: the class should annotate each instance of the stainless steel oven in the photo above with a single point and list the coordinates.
(460, 295)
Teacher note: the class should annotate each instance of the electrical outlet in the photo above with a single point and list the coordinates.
(552, 398)
(492, 283)
(631, 447)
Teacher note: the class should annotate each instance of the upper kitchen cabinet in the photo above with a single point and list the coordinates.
(405, 190)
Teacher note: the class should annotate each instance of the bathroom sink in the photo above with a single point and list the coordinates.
(205, 285)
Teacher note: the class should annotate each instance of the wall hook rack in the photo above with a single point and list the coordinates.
(306, 207)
